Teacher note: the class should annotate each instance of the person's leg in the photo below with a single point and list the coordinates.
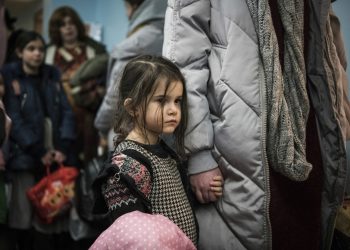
(20, 213)
(63, 241)
(43, 241)
(340, 241)
(7, 238)
(83, 244)
(24, 239)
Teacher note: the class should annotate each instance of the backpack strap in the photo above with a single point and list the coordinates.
(140, 158)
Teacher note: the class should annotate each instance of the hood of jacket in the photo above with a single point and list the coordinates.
(149, 10)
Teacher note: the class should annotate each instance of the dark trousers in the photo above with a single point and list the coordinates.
(340, 241)
(62, 241)
(15, 239)
(7, 238)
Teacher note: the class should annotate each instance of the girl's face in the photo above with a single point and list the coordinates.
(69, 31)
(32, 56)
(163, 111)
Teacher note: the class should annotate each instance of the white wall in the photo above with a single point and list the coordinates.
(111, 14)
(24, 12)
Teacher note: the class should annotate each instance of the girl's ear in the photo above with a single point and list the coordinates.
(128, 107)
(19, 53)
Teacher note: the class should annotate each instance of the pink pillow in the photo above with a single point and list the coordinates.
(137, 230)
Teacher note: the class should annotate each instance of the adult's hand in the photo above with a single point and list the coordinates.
(200, 184)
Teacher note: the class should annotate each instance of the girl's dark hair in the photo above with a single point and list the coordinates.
(139, 80)
(11, 54)
(56, 22)
(26, 37)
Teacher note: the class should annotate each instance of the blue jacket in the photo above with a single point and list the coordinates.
(27, 111)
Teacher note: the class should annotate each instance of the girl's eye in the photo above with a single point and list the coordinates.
(178, 101)
(160, 100)
(33, 48)
(66, 23)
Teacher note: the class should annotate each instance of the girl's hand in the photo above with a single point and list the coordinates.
(216, 185)
(59, 157)
(47, 159)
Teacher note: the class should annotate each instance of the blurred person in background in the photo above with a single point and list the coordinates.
(145, 36)
(70, 49)
(5, 124)
(34, 94)
(3, 40)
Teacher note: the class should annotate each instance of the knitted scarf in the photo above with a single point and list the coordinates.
(285, 91)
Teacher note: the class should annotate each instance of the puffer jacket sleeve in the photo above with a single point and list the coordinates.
(187, 43)
(105, 116)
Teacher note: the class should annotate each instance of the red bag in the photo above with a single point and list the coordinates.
(53, 195)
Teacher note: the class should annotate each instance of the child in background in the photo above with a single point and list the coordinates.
(144, 173)
(34, 96)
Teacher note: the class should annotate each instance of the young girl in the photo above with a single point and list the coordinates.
(144, 173)
(33, 95)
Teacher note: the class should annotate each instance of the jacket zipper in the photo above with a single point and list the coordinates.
(24, 99)
(265, 165)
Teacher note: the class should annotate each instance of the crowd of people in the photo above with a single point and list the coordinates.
(223, 125)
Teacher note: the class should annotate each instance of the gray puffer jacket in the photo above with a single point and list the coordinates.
(145, 36)
(216, 46)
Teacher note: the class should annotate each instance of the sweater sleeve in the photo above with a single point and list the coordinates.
(187, 43)
(128, 188)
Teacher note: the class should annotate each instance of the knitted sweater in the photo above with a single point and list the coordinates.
(148, 179)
